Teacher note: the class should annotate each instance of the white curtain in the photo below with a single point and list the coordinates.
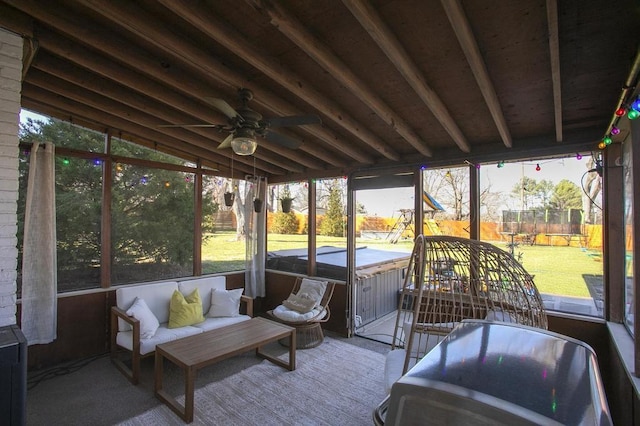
(39, 265)
(255, 226)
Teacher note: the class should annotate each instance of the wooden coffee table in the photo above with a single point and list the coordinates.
(194, 352)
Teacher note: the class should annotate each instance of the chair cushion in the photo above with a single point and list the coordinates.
(185, 311)
(299, 303)
(148, 321)
(286, 314)
(312, 289)
(225, 303)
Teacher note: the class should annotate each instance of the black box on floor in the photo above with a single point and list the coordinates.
(13, 375)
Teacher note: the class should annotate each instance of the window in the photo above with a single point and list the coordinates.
(547, 214)
(152, 208)
(78, 222)
(78, 203)
(223, 243)
(446, 201)
(287, 227)
(628, 231)
(152, 224)
(331, 228)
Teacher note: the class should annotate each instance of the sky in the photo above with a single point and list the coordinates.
(24, 114)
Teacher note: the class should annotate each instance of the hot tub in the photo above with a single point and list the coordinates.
(379, 274)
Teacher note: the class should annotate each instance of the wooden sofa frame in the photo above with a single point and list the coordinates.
(133, 373)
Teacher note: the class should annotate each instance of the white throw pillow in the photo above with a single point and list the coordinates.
(312, 289)
(225, 303)
(148, 322)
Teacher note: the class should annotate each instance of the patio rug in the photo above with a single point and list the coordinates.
(336, 383)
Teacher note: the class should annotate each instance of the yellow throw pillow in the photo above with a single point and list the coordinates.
(185, 311)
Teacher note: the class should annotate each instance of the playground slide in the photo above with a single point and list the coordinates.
(432, 228)
(431, 202)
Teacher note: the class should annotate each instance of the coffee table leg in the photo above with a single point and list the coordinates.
(158, 372)
(189, 384)
(292, 350)
(186, 412)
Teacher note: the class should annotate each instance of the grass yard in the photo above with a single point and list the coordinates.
(557, 269)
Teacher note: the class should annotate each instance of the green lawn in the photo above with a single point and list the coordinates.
(557, 270)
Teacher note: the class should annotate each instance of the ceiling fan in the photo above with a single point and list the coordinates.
(246, 125)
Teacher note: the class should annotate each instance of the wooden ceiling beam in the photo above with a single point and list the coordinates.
(467, 40)
(554, 55)
(107, 68)
(291, 27)
(391, 46)
(117, 92)
(110, 43)
(210, 25)
(138, 81)
(134, 20)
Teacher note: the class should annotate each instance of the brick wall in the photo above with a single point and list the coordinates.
(10, 84)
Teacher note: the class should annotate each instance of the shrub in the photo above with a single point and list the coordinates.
(284, 223)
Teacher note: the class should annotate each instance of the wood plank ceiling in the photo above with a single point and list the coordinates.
(395, 82)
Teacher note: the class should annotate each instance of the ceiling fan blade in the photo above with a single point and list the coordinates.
(226, 143)
(223, 107)
(282, 140)
(294, 120)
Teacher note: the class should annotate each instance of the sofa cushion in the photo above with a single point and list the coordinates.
(204, 286)
(156, 295)
(185, 311)
(163, 335)
(213, 323)
(148, 322)
(225, 303)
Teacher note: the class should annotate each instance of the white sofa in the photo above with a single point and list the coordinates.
(126, 330)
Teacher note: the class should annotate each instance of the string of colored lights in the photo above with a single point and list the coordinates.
(631, 111)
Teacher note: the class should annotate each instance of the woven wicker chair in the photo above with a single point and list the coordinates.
(458, 279)
(308, 326)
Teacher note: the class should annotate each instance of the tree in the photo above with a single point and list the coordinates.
(361, 208)
(450, 187)
(543, 192)
(238, 210)
(334, 222)
(152, 209)
(566, 195)
(526, 189)
(592, 187)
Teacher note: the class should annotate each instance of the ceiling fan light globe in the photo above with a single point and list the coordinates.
(244, 145)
